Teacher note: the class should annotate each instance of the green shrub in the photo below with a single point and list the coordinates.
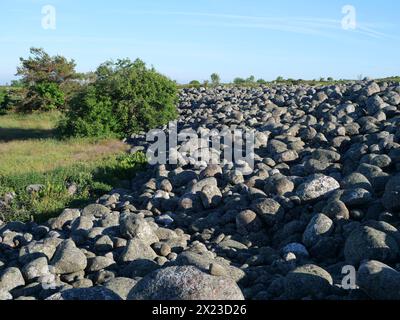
(239, 81)
(11, 98)
(195, 84)
(3, 94)
(90, 115)
(251, 79)
(45, 96)
(126, 97)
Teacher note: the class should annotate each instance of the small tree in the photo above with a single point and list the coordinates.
(251, 79)
(45, 76)
(261, 81)
(195, 84)
(126, 98)
(280, 79)
(215, 79)
(239, 81)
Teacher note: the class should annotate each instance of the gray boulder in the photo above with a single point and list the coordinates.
(184, 283)
(66, 216)
(68, 258)
(93, 293)
(366, 243)
(137, 249)
(134, 226)
(308, 281)
(10, 279)
(391, 197)
(121, 286)
(316, 187)
(96, 210)
(379, 281)
(268, 210)
(319, 226)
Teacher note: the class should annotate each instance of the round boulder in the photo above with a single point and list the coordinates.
(366, 243)
(308, 281)
(184, 283)
(316, 187)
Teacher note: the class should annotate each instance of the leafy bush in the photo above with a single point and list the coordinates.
(46, 96)
(195, 84)
(3, 94)
(11, 98)
(251, 79)
(239, 81)
(126, 97)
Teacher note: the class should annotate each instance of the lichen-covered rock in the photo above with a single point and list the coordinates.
(133, 226)
(185, 283)
(68, 258)
(11, 278)
(317, 186)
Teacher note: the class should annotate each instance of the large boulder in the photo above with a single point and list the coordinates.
(66, 216)
(121, 286)
(137, 249)
(308, 281)
(319, 226)
(269, 210)
(379, 281)
(95, 210)
(184, 283)
(11, 278)
(134, 226)
(391, 197)
(367, 243)
(68, 258)
(316, 187)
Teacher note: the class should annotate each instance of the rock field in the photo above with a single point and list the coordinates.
(324, 196)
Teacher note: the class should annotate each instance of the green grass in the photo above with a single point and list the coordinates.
(30, 153)
(15, 126)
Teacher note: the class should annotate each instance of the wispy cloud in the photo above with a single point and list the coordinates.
(302, 25)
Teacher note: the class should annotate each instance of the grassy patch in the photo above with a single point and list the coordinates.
(22, 157)
(15, 126)
(92, 180)
(30, 153)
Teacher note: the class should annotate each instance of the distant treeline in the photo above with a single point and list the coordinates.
(252, 81)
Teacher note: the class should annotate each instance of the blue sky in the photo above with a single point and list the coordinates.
(190, 39)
